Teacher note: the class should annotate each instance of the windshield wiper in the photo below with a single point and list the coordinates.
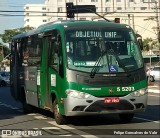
(96, 66)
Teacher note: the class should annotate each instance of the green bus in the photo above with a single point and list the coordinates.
(77, 68)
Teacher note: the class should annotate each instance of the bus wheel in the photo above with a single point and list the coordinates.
(59, 118)
(27, 108)
(126, 118)
(3, 83)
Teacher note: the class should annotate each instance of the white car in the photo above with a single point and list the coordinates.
(155, 74)
(4, 79)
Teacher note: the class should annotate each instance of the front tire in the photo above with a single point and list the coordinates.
(127, 117)
(27, 108)
(59, 118)
(3, 83)
(151, 79)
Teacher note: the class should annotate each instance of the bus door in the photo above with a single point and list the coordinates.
(51, 68)
(44, 71)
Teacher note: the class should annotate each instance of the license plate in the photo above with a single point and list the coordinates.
(110, 100)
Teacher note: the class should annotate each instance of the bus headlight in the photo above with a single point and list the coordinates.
(139, 92)
(77, 94)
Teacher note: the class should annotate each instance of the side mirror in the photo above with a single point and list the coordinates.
(140, 43)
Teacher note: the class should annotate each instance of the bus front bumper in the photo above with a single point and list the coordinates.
(94, 105)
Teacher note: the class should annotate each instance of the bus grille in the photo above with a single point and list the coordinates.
(99, 106)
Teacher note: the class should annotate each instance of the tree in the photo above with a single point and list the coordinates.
(149, 44)
(8, 34)
(4, 51)
(1, 56)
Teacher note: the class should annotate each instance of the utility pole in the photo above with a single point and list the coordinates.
(157, 21)
(157, 18)
(129, 18)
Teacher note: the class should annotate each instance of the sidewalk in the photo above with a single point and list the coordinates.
(153, 88)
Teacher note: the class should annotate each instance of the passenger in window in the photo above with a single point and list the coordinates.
(95, 52)
(25, 57)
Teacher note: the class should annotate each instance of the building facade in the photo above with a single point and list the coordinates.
(35, 15)
(141, 15)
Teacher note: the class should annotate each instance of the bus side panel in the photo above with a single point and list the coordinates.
(30, 77)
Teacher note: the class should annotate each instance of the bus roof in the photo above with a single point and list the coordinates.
(55, 24)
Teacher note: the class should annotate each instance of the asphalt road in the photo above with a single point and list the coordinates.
(41, 124)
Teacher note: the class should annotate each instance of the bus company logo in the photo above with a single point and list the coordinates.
(111, 91)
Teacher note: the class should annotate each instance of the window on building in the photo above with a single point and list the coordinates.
(27, 8)
(44, 14)
(107, 9)
(44, 20)
(44, 8)
(131, 0)
(27, 20)
(119, 8)
(148, 0)
(143, 8)
(70, 0)
(27, 14)
(94, 0)
(108, 0)
(80, 0)
(118, 0)
(59, 9)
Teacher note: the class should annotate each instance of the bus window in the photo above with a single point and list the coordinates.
(31, 51)
(55, 51)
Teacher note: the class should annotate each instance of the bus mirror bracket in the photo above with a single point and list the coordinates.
(140, 43)
(139, 39)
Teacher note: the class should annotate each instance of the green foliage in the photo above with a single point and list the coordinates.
(8, 34)
(149, 43)
(4, 52)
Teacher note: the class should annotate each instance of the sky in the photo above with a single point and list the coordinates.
(11, 22)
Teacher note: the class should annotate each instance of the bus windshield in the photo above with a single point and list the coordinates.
(111, 50)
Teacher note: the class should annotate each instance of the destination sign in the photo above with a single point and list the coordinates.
(89, 34)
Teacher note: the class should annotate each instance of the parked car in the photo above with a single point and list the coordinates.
(155, 74)
(4, 78)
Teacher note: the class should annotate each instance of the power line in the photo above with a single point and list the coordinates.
(65, 12)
